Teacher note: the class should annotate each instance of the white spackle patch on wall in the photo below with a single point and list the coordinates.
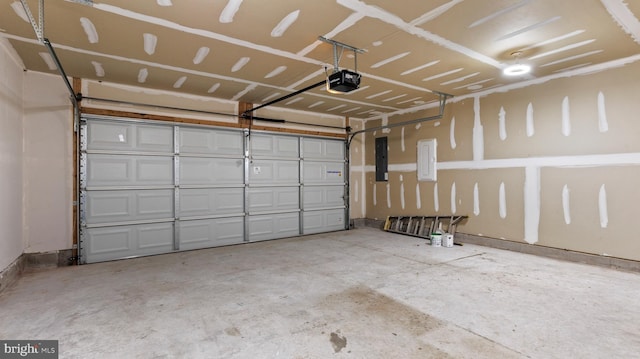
(452, 133)
(200, 55)
(502, 201)
(179, 82)
(502, 125)
(454, 206)
(566, 117)
(375, 194)
(436, 200)
(603, 124)
(402, 139)
(356, 191)
(375, 133)
(418, 198)
(602, 204)
(566, 205)
(284, 24)
(436, 124)
(476, 200)
(142, 75)
(89, 29)
(388, 195)
(418, 126)
(402, 204)
(385, 121)
(530, 127)
(240, 64)
(531, 204)
(478, 132)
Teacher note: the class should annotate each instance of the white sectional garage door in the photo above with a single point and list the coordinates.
(150, 188)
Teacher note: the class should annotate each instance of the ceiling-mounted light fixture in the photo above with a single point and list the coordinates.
(516, 69)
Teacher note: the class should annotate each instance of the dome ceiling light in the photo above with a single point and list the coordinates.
(517, 68)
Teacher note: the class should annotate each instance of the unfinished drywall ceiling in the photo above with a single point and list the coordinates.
(254, 51)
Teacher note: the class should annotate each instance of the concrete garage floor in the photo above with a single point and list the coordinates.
(354, 294)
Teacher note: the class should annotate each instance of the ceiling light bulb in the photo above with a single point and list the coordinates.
(517, 69)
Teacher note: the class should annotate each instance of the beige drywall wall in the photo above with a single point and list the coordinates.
(357, 179)
(554, 163)
(48, 165)
(11, 86)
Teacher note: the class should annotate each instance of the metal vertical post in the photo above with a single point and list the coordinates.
(176, 187)
(301, 183)
(247, 159)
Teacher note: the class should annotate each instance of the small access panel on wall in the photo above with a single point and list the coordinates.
(427, 160)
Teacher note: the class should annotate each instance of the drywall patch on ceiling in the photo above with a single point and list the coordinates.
(460, 79)
(418, 68)
(337, 107)
(46, 57)
(624, 17)
(200, 55)
(378, 94)
(275, 72)
(474, 85)
(89, 29)
(229, 11)
(423, 19)
(164, 2)
(603, 123)
(248, 89)
(150, 42)
(394, 98)
(19, 10)
(390, 59)
(297, 99)
(98, 68)
(498, 13)
(213, 88)
(409, 100)
(377, 13)
(142, 75)
(285, 23)
(529, 28)
(573, 67)
(562, 49)
(443, 74)
(179, 82)
(566, 204)
(270, 97)
(552, 40)
(602, 207)
(345, 24)
(352, 109)
(570, 58)
(240, 64)
(316, 104)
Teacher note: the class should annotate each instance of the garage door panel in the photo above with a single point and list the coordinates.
(272, 226)
(122, 136)
(211, 232)
(274, 172)
(263, 145)
(108, 243)
(119, 170)
(211, 201)
(323, 172)
(212, 142)
(316, 197)
(128, 205)
(211, 171)
(273, 199)
(316, 148)
(323, 221)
